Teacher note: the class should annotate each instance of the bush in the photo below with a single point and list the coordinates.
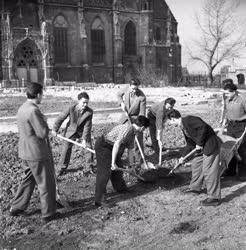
(152, 78)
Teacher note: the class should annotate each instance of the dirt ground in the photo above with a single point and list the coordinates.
(151, 216)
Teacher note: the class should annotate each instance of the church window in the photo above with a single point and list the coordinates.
(60, 40)
(98, 41)
(157, 33)
(130, 39)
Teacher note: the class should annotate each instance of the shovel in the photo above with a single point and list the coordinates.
(139, 147)
(160, 153)
(59, 199)
(185, 158)
(131, 172)
(76, 143)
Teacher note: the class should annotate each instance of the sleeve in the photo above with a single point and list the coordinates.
(39, 124)
(244, 104)
(120, 95)
(142, 110)
(87, 128)
(60, 119)
(190, 145)
(200, 131)
(125, 135)
(159, 118)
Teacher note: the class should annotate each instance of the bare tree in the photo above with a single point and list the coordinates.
(222, 36)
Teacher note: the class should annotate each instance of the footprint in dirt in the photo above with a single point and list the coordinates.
(185, 227)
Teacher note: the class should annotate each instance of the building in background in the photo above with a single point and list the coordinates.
(87, 40)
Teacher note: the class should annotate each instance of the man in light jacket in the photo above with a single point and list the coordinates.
(35, 151)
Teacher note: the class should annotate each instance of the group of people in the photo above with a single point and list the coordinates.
(35, 150)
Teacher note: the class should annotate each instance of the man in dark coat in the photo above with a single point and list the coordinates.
(133, 102)
(36, 154)
(205, 166)
(79, 125)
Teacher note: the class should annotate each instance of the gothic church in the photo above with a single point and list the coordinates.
(86, 40)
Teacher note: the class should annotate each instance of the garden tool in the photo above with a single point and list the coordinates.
(59, 199)
(160, 152)
(185, 158)
(76, 143)
(229, 149)
(148, 165)
(131, 172)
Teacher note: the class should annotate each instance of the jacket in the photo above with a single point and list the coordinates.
(198, 132)
(78, 124)
(138, 106)
(33, 133)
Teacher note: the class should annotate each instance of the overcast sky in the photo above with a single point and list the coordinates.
(184, 12)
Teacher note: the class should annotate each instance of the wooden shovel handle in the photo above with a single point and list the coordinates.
(185, 158)
(137, 141)
(75, 143)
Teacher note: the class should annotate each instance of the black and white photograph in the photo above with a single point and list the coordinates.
(122, 124)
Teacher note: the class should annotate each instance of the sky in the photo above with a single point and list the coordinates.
(184, 12)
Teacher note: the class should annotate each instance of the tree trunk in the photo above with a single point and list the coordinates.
(210, 78)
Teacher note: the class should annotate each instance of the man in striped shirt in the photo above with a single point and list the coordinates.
(109, 150)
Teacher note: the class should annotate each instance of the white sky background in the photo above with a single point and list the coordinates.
(184, 12)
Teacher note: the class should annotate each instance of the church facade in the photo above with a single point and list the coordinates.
(87, 40)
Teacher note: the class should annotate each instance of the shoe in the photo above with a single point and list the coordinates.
(210, 202)
(16, 212)
(55, 216)
(148, 144)
(61, 172)
(124, 191)
(104, 204)
(59, 205)
(191, 191)
(242, 178)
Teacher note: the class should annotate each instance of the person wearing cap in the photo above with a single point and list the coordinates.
(109, 149)
(79, 125)
(157, 115)
(133, 103)
(205, 166)
(235, 120)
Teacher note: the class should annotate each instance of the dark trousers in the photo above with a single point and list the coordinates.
(104, 173)
(235, 129)
(152, 132)
(40, 173)
(134, 154)
(67, 152)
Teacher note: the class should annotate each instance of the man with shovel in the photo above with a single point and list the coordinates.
(133, 103)
(36, 154)
(79, 125)
(205, 167)
(109, 150)
(157, 118)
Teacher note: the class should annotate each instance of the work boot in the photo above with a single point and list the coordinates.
(61, 172)
(210, 202)
(55, 216)
(16, 212)
(104, 204)
(192, 191)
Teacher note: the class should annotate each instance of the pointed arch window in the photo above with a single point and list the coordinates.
(60, 40)
(157, 33)
(130, 39)
(97, 41)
